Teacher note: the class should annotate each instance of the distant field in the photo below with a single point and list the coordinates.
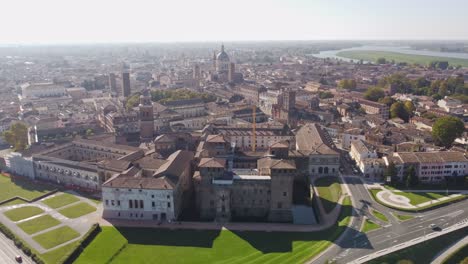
(371, 55)
(149, 245)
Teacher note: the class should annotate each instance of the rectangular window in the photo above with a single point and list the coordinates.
(141, 204)
(153, 204)
(130, 203)
(107, 202)
(168, 205)
(118, 202)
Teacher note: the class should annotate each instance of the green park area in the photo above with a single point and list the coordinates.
(379, 215)
(23, 188)
(38, 224)
(56, 237)
(458, 257)
(373, 56)
(369, 226)
(77, 210)
(144, 245)
(21, 213)
(403, 217)
(417, 198)
(60, 200)
(423, 252)
(329, 190)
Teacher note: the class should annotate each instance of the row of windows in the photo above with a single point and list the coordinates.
(133, 203)
(140, 190)
(440, 167)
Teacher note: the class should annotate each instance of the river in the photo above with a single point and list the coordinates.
(398, 49)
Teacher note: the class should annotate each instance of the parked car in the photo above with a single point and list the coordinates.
(19, 259)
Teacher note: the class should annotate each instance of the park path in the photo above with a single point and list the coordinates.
(451, 249)
(80, 224)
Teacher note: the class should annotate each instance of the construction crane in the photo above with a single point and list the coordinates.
(254, 128)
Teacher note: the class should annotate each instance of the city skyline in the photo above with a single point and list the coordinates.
(52, 21)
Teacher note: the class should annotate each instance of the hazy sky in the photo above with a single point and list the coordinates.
(51, 21)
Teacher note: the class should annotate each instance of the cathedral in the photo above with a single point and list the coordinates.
(223, 69)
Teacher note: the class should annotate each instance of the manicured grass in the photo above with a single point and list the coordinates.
(459, 256)
(371, 55)
(423, 252)
(329, 190)
(379, 215)
(57, 255)
(14, 202)
(147, 245)
(60, 200)
(23, 188)
(56, 237)
(23, 213)
(403, 217)
(427, 207)
(369, 226)
(420, 197)
(77, 210)
(38, 224)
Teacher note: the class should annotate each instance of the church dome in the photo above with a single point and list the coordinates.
(222, 56)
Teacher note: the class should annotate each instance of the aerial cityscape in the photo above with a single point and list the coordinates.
(234, 132)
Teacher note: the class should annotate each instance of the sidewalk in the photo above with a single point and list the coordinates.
(448, 251)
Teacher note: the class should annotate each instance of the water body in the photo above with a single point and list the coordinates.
(399, 49)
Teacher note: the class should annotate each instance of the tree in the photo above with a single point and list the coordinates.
(348, 84)
(387, 100)
(398, 110)
(409, 107)
(446, 129)
(374, 94)
(381, 61)
(17, 136)
(132, 101)
(411, 178)
(391, 171)
(89, 132)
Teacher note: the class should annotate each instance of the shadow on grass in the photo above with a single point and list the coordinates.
(167, 237)
(265, 242)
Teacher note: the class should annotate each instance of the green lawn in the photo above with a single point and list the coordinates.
(454, 199)
(23, 213)
(370, 55)
(403, 217)
(146, 245)
(23, 188)
(459, 256)
(77, 210)
(60, 200)
(420, 197)
(38, 224)
(379, 215)
(57, 255)
(56, 237)
(14, 202)
(329, 190)
(369, 226)
(423, 252)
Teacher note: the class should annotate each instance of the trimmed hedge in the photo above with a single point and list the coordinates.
(20, 244)
(83, 243)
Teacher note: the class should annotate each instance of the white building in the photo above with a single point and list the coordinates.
(268, 99)
(19, 165)
(351, 135)
(360, 151)
(39, 90)
(372, 168)
(156, 193)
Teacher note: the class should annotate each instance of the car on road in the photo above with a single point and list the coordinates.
(435, 227)
(19, 259)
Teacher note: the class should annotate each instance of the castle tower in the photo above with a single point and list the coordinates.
(146, 117)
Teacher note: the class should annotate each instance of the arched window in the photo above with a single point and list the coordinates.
(326, 170)
(320, 170)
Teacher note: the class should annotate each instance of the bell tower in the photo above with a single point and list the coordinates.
(146, 117)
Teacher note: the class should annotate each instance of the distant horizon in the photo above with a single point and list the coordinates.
(140, 21)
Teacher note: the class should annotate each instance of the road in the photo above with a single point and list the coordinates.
(355, 244)
(8, 252)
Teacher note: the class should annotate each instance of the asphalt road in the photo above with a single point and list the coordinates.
(355, 244)
(8, 252)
